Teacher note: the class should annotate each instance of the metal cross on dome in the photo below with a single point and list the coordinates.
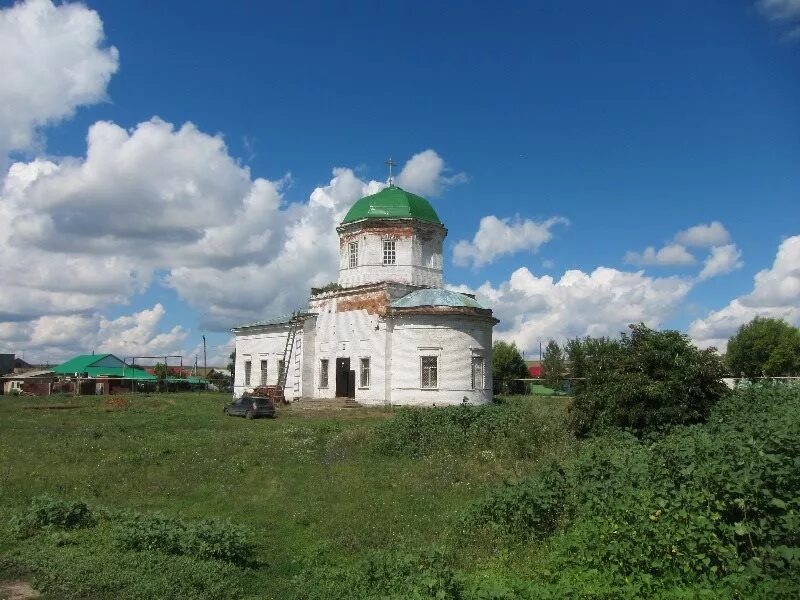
(390, 163)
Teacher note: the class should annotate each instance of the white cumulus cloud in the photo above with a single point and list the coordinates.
(775, 293)
(79, 234)
(497, 237)
(425, 173)
(722, 260)
(55, 338)
(601, 303)
(704, 236)
(52, 60)
(780, 10)
(723, 256)
(670, 255)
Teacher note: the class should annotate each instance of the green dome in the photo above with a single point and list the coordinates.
(392, 203)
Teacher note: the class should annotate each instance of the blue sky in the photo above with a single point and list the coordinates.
(631, 120)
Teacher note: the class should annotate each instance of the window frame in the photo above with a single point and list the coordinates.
(352, 252)
(391, 252)
(324, 382)
(422, 368)
(248, 371)
(364, 361)
(264, 371)
(478, 359)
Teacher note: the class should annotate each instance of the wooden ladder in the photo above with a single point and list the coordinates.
(295, 323)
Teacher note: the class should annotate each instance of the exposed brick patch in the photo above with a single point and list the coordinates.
(375, 303)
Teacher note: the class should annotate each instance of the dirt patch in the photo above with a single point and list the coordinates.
(17, 590)
(117, 403)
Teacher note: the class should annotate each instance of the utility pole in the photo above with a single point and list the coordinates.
(205, 363)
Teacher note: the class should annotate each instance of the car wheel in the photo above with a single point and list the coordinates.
(249, 414)
(225, 411)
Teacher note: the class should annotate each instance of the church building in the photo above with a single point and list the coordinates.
(387, 333)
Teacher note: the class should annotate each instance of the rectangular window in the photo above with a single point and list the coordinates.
(389, 254)
(263, 372)
(280, 368)
(429, 376)
(353, 255)
(477, 373)
(247, 366)
(323, 373)
(364, 372)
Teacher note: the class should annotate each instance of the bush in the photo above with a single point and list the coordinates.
(46, 512)
(387, 575)
(764, 347)
(517, 428)
(531, 509)
(214, 540)
(715, 506)
(645, 381)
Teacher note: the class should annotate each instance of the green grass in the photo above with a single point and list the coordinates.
(308, 485)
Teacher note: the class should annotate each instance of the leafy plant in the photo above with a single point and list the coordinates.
(507, 362)
(515, 428)
(530, 509)
(208, 539)
(46, 512)
(645, 381)
(764, 347)
(553, 365)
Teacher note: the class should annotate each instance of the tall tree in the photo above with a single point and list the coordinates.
(645, 380)
(764, 347)
(553, 365)
(507, 362)
(232, 364)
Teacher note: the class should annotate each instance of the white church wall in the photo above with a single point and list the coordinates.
(454, 340)
(418, 256)
(353, 334)
(268, 344)
(427, 258)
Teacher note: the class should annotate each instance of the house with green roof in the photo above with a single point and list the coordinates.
(101, 366)
(387, 331)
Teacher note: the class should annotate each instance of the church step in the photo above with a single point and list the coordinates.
(326, 403)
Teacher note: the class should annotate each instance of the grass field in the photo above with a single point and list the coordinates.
(463, 503)
(305, 484)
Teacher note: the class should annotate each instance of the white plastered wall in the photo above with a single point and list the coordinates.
(418, 258)
(353, 334)
(455, 340)
(267, 343)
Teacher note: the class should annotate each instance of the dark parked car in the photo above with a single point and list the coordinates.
(250, 407)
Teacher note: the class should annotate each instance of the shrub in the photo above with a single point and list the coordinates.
(382, 574)
(209, 539)
(531, 509)
(764, 347)
(46, 512)
(645, 381)
(714, 506)
(518, 428)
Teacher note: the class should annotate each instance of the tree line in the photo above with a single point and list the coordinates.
(764, 347)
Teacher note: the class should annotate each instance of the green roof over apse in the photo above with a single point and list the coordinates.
(435, 297)
(392, 203)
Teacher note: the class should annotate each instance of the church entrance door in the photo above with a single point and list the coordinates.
(345, 379)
